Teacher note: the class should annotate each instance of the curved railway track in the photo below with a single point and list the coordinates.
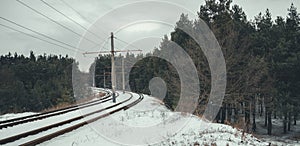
(30, 118)
(72, 127)
(48, 112)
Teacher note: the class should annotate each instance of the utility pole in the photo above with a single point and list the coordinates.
(113, 73)
(123, 75)
(93, 79)
(113, 79)
(104, 79)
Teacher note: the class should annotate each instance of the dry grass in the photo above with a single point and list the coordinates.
(83, 100)
(60, 106)
(240, 124)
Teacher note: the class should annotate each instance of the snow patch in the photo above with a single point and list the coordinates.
(15, 115)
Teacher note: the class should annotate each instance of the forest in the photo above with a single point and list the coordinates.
(34, 83)
(262, 60)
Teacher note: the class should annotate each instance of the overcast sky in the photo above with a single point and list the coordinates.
(139, 22)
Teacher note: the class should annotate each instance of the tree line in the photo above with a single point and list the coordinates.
(262, 62)
(34, 83)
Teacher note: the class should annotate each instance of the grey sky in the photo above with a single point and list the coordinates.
(142, 23)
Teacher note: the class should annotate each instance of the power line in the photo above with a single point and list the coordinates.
(126, 43)
(79, 14)
(36, 32)
(52, 7)
(106, 43)
(8, 27)
(75, 11)
(52, 20)
(103, 46)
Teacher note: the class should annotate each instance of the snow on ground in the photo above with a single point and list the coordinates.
(278, 137)
(15, 115)
(150, 123)
(10, 131)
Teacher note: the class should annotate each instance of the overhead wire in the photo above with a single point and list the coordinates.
(75, 11)
(127, 43)
(11, 28)
(79, 23)
(36, 32)
(79, 14)
(87, 20)
(69, 18)
(58, 42)
(54, 21)
(105, 44)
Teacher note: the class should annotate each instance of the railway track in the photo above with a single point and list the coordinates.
(30, 118)
(44, 113)
(68, 121)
